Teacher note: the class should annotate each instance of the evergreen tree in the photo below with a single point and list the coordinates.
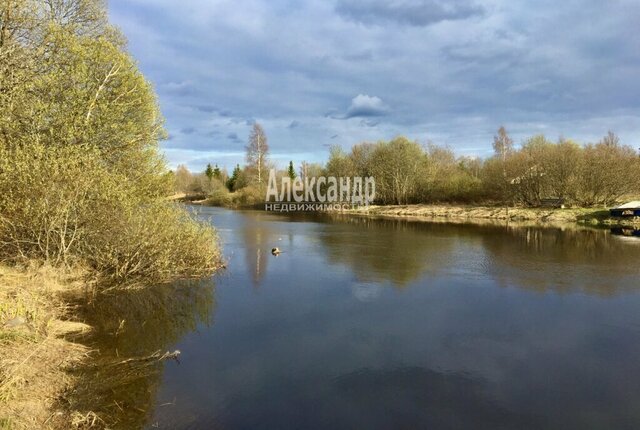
(209, 172)
(217, 173)
(291, 171)
(233, 180)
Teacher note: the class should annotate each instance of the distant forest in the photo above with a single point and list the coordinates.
(406, 172)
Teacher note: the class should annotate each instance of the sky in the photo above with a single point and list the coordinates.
(338, 72)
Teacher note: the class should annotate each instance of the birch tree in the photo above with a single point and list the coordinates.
(503, 148)
(257, 153)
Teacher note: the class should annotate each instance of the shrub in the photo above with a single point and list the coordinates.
(155, 243)
(251, 195)
(219, 197)
(64, 206)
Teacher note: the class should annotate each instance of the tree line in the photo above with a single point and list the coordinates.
(540, 169)
(407, 172)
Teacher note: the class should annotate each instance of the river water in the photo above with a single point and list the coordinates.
(390, 324)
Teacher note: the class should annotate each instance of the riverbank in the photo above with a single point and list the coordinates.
(583, 216)
(38, 351)
(67, 359)
(471, 214)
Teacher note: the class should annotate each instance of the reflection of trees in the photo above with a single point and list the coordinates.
(396, 251)
(588, 260)
(258, 241)
(132, 325)
(401, 251)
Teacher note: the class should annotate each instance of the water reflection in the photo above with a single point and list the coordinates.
(257, 238)
(379, 324)
(398, 252)
(563, 260)
(121, 384)
(626, 232)
(403, 252)
(366, 291)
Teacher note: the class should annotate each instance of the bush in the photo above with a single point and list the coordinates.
(154, 243)
(47, 200)
(249, 196)
(64, 206)
(219, 197)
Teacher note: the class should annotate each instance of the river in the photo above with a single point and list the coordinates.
(390, 324)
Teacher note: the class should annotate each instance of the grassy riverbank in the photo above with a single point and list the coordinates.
(36, 339)
(51, 379)
(585, 216)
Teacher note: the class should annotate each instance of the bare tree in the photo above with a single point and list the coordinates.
(257, 152)
(502, 144)
(395, 165)
(183, 179)
(561, 165)
(503, 147)
(304, 170)
(607, 173)
(611, 140)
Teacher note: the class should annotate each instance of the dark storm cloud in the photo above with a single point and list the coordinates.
(412, 12)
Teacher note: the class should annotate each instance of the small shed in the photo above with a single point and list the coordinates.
(626, 210)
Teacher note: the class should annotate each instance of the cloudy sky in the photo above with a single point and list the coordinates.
(337, 72)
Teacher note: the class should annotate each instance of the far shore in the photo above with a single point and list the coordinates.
(460, 213)
(468, 213)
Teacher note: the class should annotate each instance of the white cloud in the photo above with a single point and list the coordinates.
(363, 105)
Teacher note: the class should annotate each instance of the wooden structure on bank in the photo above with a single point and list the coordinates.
(627, 210)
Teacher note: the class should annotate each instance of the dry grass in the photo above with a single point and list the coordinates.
(35, 355)
(453, 213)
(47, 381)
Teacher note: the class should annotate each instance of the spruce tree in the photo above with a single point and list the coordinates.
(291, 171)
(209, 172)
(233, 180)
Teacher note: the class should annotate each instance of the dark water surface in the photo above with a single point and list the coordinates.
(387, 324)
